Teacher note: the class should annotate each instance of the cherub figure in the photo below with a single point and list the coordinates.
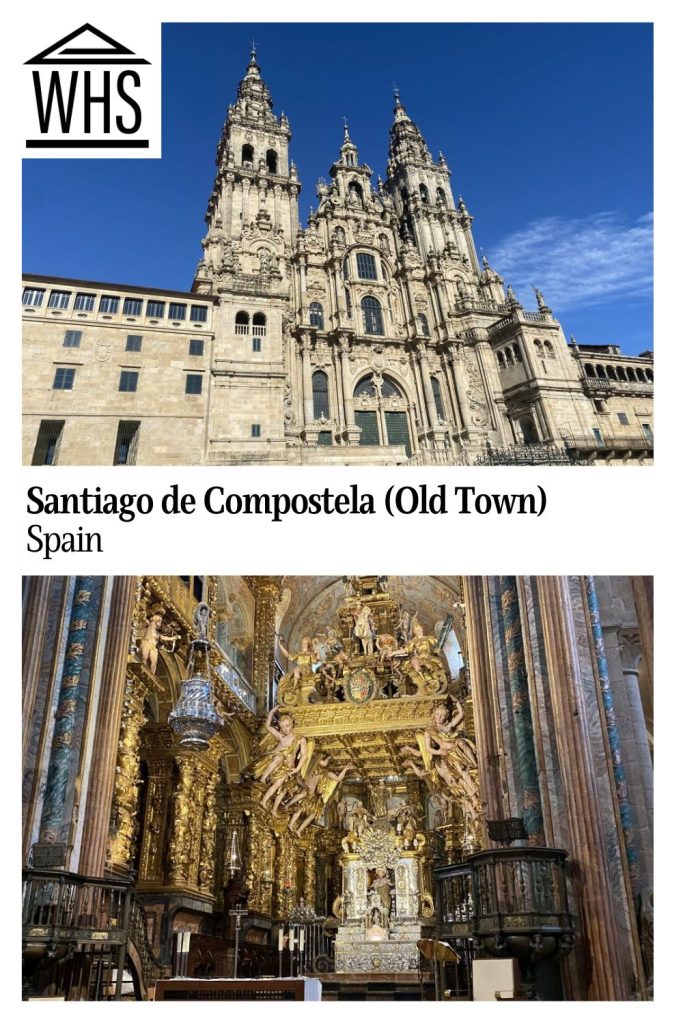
(149, 648)
(284, 761)
(317, 792)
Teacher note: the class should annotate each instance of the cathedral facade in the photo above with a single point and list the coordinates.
(230, 783)
(374, 335)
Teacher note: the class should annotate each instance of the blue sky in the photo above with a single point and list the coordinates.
(547, 129)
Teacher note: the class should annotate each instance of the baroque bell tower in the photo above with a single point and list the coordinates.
(252, 218)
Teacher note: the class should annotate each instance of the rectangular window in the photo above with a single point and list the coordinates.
(155, 309)
(47, 443)
(109, 303)
(325, 438)
(64, 378)
(256, 430)
(623, 418)
(134, 343)
(597, 434)
(84, 302)
(196, 347)
(33, 296)
(255, 344)
(177, 310)
(198, 314)
(58, 300)
(132, 307)
(128, 380)
(367, 268)
(647, 430)
(198, 587)
(126, 443)
(72, 339)
(193, 384)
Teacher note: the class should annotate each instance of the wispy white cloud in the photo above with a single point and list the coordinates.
(578, 262)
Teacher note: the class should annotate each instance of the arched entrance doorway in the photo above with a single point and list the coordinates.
(381, 411)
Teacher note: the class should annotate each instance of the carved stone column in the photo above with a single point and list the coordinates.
(267, 593)
(108, 722)
(307, 380)
(605, 974)
(352, 432)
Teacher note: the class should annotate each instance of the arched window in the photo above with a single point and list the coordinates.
(508, 356)
(549, 350)
(649, 374)
(610, 373)
(501, 360)
(440, 197)
(315, 317)
(372, 315)
(424, 194)
(389, 389)
(600, 372)
(321, 396)
(423, 325)
(259, 320)
(621, 375)
(640, 375)
(242, 322)
(590, 370)
(516, 352)
(630, 373)
(438, 400)
(355, 193)
(271, 161)
(367, 268)
(247, 156)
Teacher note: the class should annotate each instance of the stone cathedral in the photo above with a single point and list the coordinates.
(339, 788)
(374, 335)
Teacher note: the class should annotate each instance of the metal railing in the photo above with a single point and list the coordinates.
(528, 455)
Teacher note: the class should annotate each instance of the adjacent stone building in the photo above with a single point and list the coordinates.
(372, 336)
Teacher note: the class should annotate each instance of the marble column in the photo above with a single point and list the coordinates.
(36, 605)
(481, 666)
(521, 714)
(108, 723)
(84, 609)
(605, 971)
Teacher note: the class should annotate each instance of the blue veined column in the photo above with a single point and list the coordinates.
(521, 712)
(614, 739)
(84, 609)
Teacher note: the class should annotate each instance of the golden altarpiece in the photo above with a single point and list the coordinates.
(330, 751)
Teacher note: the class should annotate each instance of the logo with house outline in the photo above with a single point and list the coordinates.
(89, 93)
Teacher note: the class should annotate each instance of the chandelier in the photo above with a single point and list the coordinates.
(194, 718)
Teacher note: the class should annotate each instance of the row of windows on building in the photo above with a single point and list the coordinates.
(46, 451)
(596, 371)
(368, 389)
(84, 302)
(512, 355)
(248, 158)
(65, 378)
(72, 339)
